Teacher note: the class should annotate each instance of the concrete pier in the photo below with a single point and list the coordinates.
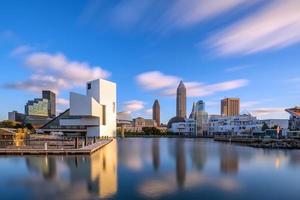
(87, 150)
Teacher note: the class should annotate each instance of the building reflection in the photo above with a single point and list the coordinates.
(198, 154)
(180, 162)
(229, 161)
(97, 172)
(45, 166)
(155, 153)
(294, 158)
(104, 171)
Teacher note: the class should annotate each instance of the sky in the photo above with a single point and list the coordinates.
(221, 48)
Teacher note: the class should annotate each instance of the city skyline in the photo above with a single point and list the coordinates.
(146, 59)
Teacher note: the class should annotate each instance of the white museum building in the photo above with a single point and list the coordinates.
(92, 114)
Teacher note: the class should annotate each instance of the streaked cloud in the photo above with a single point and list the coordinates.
(196, 89)
(269, 112)
(62, 101)
(56, 72)
(154, 80)
(237, 68)
(133, 106)
(274, 26)
(249, 104)
(187, 13)
(158, 15)
(167, 84)
(21, 50)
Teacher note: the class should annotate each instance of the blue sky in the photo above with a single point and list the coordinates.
(222, 48)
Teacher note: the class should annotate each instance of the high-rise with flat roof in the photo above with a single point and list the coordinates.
(230, 107)
(156, 112)
(47, 94)
(181, 101)
(45, 106)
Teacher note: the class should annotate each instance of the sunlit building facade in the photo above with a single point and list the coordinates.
(230, 107)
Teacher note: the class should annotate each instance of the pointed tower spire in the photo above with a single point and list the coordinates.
(192, 115)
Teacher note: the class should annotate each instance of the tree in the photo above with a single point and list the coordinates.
(8, 124)
(30, 127)
(151, 131)
(274, 127)
(265, 127)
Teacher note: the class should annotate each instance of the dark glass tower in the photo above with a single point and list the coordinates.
(47, 94)
(156, 112)
(181, 101)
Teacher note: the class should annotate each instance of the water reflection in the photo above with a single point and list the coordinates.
(198, 154)
(96, 175)
(157, 168)
(180, 162)
(155, 153)
(229, 161)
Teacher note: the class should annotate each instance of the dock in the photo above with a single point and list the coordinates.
(86, 150)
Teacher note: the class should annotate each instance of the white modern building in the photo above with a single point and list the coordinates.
(236, 125)
(282, 123)
(93, 113)
(185, 127)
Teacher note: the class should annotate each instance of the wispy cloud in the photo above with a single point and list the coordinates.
(196, 89)
(167, 84)
(156, 80)
(275, 26)
(159, 15)
(275, 112)
(188, 13)
(56, 72)
(249, 104)
(62, 101)
(21, 50)
(133, 106)
(237, 68)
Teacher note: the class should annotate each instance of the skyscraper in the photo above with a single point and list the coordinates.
(230, 107)
(156, 112)
(181, 101)
(201, 118)
(47, 94)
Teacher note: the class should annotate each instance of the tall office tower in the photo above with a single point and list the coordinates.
(181, 101)
(230, 107)
(201, 118)
(156, 112)
(51, 97)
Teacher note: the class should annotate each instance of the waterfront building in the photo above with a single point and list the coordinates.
(156, 112)
(282, 123)
(230, 107)
(294, 121)
(93, 114)
(124, 119)
(16, 116)
(185, 127)
(181, 100)
(234, 125)
(45, 106)
(51, 97)
(201, 118)
(139, 123)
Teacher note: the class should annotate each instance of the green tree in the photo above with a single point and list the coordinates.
(265, 127)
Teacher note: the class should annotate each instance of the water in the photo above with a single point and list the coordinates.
(156, 169)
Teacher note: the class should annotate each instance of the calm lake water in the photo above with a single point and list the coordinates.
(155, 168)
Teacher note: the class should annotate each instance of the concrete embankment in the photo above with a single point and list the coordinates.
(261, 143)
(87, 150)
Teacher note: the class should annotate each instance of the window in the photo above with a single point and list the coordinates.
(103, 115)
(89, 86)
